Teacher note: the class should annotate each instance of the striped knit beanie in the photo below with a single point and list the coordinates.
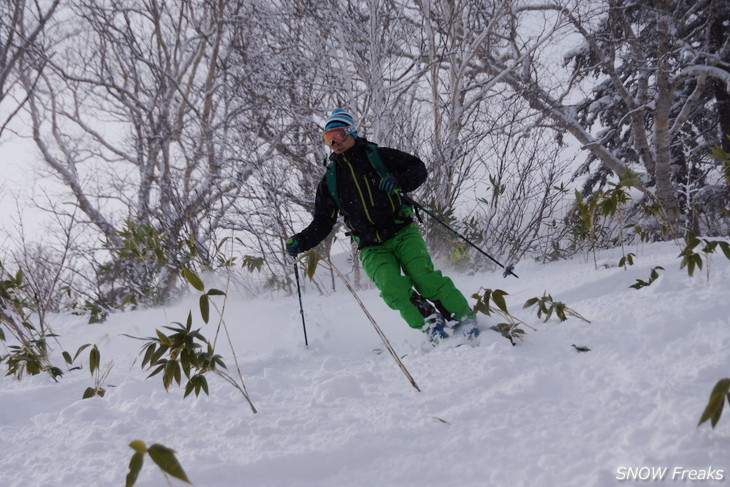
(341, 118)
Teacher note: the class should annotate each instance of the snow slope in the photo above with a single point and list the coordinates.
(341, 413)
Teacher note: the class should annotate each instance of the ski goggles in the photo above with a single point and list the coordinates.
(337, 134)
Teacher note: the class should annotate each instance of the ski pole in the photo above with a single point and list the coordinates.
(507, 270)
(375, 325)
(301, 308)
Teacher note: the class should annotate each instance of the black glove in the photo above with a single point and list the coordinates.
(292, 246)
(389, 184)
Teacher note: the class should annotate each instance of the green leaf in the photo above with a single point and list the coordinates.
(33, 368)
(149, 352)
(167, 377)
(713, 411)
(549, 313)
(94, 359)
(164, 339)
(710, 246)
(165, 459)
(312, 263)
(159, 369)
(692, 240)
(81, 349)
(215, 292)
(189, 387)
(530, 302)
(135, 466)
(222, 243)
(172, 372)
(654, 275)
(639, 284)
(498, 298)
(626, 259)
(66, 355)
(218, 360)
(204, 307)
(186, 359)
(481, 306)
(252, 263)
(694, 261)
(157, 356)
(89, 392)
(139, 446)
(193, 279)
(196, 383)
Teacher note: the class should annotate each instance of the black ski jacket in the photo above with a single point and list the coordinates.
(372, 215)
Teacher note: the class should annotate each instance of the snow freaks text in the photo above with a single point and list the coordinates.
(666, 473)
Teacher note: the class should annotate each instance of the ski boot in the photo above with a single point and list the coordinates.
(468, 327)
(435, 327)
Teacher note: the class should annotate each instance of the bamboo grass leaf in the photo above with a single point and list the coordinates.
(714, 407)
(193, 279)
(135, 466)
(165, 459)
(204, 308)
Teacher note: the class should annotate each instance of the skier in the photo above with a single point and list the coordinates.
(364, 182)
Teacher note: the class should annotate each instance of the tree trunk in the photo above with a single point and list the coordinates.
(662, 137)
(719, 30)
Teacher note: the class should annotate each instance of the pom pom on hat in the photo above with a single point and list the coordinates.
(341, 118)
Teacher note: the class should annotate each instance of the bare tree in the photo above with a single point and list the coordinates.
(132, 121)
(642, 55)
(22, 24)
(454, 33)
(45, 265)
(525, 195)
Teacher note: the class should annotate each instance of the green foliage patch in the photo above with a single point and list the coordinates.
(546, 306)
(714, 407)
(163, 457)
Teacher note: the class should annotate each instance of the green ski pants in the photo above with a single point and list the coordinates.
(407, 251)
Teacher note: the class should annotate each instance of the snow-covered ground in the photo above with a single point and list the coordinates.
(341, 413)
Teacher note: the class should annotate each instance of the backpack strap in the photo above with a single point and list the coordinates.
(371, 150)
(331, 177)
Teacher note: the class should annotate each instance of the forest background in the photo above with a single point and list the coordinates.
(186, 135)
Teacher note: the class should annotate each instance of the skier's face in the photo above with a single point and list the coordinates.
(345, 145)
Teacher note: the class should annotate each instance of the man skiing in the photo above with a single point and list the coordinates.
(364, 182)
